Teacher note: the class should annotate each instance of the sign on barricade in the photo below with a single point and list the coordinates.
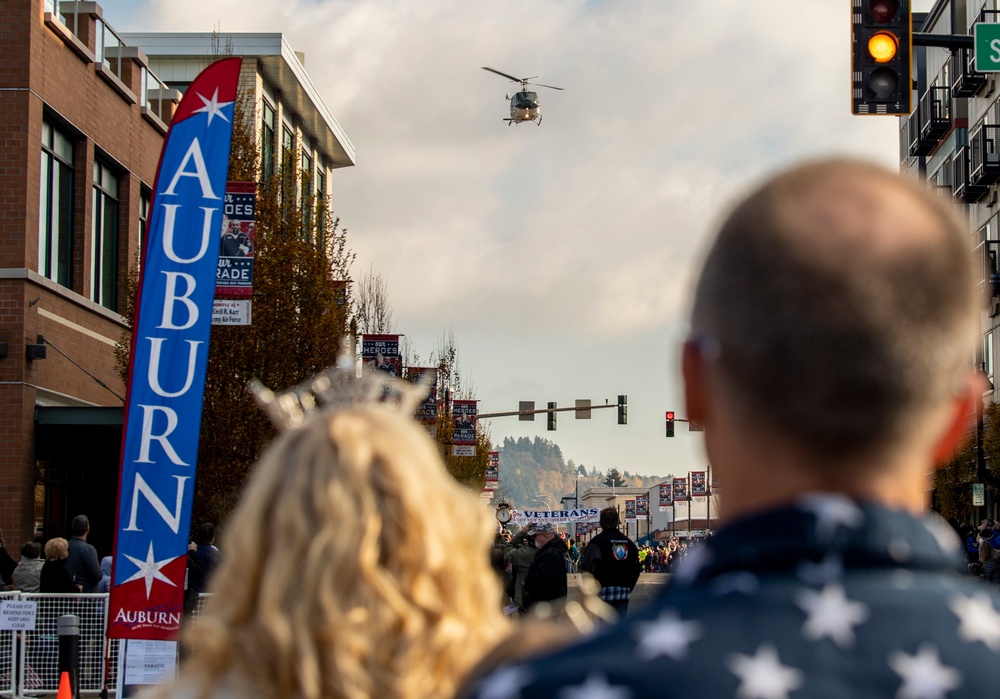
(17, 615)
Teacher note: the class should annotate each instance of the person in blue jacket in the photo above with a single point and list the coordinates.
(829, 363)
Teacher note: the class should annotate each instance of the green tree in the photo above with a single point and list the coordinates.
(614, 478)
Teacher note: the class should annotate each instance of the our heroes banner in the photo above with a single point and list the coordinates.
(642, 506)
(493, 467)
(169, 357)
(381, 352)
(666, 496)
(234, 275)
(583, 514)
(698, 483)
(630, 509)
(680, 489)
(464, 414)
(427, 410)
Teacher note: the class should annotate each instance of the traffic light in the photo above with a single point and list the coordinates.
(551, 417)
(670, 423)
(881, 57)
(622, 410)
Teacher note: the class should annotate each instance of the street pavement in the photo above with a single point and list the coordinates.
(648, 587)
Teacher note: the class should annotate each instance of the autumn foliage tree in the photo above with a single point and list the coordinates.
(953, 482)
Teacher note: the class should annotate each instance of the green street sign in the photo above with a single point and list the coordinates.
(987, 41)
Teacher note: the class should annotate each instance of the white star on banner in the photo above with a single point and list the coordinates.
(979, 620)
(831, 510)
(594, 687)
(739, 581)
(149, 570)
(213, 107)
(692, 564)
(831, 615)
(923, 675)
(669, 635)
(505, 684)
(763, 676)
(829, 570)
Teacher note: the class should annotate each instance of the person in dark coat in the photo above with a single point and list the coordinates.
(828, 362)
(54, 577)
(83, 564)
(545, 580)
(207, 556)
(613, 559)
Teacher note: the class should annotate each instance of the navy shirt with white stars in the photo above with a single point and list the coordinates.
(831, 598)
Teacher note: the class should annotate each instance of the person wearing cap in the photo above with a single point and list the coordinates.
(545, 580)
(519, 552)
(613, 559)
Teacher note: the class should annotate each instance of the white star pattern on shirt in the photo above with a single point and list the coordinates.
(763, 676)
(829, 570)
(831, 614)
(213, 107)
(831, 510)
(505, 684)
(594, 687)
(669, 635)
(739, 581)
(149, 570)
(979, 621)
(923, 675)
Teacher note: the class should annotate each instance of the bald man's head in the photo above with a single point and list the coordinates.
(837, 300)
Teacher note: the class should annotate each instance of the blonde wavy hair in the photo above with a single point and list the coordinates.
(355, 566)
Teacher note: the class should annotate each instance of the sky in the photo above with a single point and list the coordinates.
(562, 256)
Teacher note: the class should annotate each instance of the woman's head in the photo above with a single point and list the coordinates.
(56, 549)
(355, 566)
(986, 551)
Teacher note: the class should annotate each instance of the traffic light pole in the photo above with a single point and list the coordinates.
(540, 411)
(953, 42)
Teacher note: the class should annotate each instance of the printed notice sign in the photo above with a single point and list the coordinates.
(18, 615)
(150, 663)
(231, 312)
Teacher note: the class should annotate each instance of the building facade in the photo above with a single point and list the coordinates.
(951, 139)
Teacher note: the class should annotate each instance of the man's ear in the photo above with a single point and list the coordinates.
(696, 391)
(962, 404)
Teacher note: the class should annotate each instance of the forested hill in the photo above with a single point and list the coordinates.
(533, 474)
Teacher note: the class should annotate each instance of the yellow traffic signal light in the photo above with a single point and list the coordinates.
(881, 57)
(882, 47)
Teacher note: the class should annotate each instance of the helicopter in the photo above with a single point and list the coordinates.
(524, 104)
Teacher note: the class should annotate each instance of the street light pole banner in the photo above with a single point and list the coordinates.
(666, 496)
(698, 484)
(427, 410)
(464, 414)
(630, 509)
(680, 489)
(493, 468)
(642, 506)
(169, 357)
(381, 352)
(234, 278)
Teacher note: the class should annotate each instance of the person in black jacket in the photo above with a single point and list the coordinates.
(613, 559)
(545, 580)
(54, 577)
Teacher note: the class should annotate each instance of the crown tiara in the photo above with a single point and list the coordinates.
(337, 388)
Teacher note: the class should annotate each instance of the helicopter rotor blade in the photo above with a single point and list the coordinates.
(509, 77)
(551, 87)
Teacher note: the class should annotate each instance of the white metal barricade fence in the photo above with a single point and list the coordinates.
(39, 649)
(8, 655)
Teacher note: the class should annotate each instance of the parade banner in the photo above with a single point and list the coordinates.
(583, 514)
(642, 506)
(680, 489)
(629, 509)
(234, 275)
(666, 495)
(427, 410)
(698, 484)
(463, 412)
(381, 353)
(168, 360)
(493, 468)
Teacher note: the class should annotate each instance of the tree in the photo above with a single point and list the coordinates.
(614, 479)
(373, 310)
(582, 470)
(301, 302)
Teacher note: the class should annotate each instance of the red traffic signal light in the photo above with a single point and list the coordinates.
(670, 423)
(670, 414)
(881, 57)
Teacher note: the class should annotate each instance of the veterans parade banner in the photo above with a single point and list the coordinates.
(234, 275)
(698, 483)
(427, 410)
(642, 506)
(680, 489)
(381, 353)
(584, 514)
(463, 439)
(493, 468)
(169, 357)
(666, 496)
(630, 509)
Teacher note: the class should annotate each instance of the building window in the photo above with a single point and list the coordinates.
(988, 355)
(307, 202)
(55, 227)
(144, 199)
(267, 142)
(104, 243)
(321, 211)
(287, 167)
